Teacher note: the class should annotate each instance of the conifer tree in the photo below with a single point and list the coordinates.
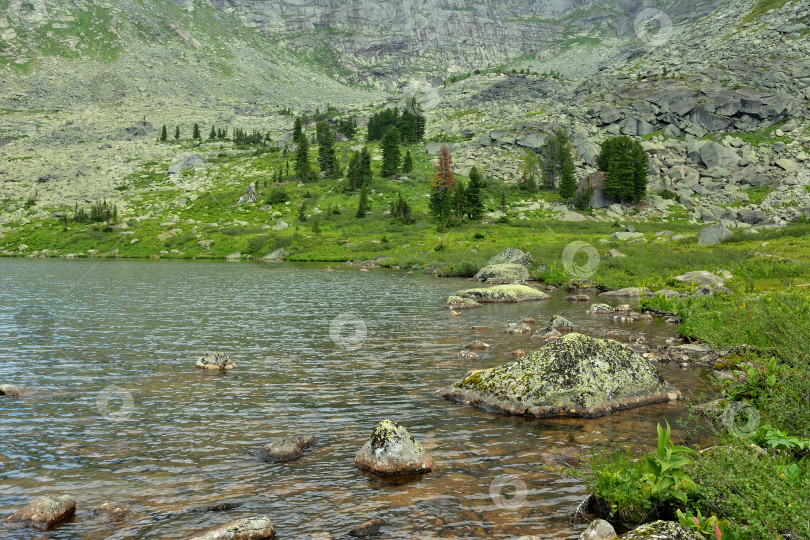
(302, 170)
(213, 134)
(362, 206)
(196, 133)
(297, 128)
(164, 135)
(326, 150)
(400, 209)
(176, 133)
(568, 182)
(443, 186)
(407, 163)
(626, 167)
(474, 205)
(391, 154)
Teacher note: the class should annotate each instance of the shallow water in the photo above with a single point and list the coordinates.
(123, 416)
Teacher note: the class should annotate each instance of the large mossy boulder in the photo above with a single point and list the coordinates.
(504, 293)
(575, 375)
(512, 256)
(391, 450)
(44, 513)
(457, 302)
(502, 273)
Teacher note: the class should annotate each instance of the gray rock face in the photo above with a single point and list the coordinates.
(285, 449)
(187, 163)
(599, 529)
(44, 513)
(512, 256)
(661, 530)
(713, 235)
(251, 528)
(502, 273)
(215, 361)
(392, 451)
(575, 375)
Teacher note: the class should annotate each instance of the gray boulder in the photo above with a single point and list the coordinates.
(251, 528)
(502, 273)
(512, 256)
(627, 292)
(457, 302)
(189, 162)
(560, 323)
(713, 234)
(661, 530)
(285, 449)
(626, 235)
(575, 375)
(599, 529)
(276, 256)
(392, 451)
(44, 513)
(10, 390)
(280, 226)
(701, 278)
(112, 513)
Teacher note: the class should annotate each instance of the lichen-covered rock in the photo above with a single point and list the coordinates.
(577, 298)
(10, 390)
(391, 451)
(517, 328)
(477, 345)
(599, 529)
(285, 449)
(504, 293)
(573, 376)
(512, 256)
(44, 513)
(252, 528)
(457, 302)
(600, 308)
(215, 360)
(112, 513)
(560, 323)
(502, 273)
(701, 278)
(627, 292)
(547, 334)
(661, 530)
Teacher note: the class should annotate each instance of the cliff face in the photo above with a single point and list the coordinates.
(388, 40)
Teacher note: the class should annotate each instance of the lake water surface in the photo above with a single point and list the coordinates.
(122, 416)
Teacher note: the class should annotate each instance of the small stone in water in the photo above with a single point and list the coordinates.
(369, 528)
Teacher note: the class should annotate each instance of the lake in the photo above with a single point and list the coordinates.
(121, 415)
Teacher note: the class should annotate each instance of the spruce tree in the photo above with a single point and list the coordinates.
(443, 186)
(626, 166)
(390, 150)
(474, 205)
(196, 133)
(568, 182)
(297, 129)
(407, 163)
(362, 206)
(459, 200)
(326, 150)
(213, 134)
(400, 209)
(164, 134)
(302, 170)
(176, 133)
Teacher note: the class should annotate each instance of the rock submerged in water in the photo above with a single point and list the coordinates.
(502, 273)
(112, 513)
(44, 513)
(285, 449)
(369, 528)
(457, 302)
(391, 450)
(10, 390)
(504, 293)
(252, 528)
(599, 529)
(575, 375)
(215, 360)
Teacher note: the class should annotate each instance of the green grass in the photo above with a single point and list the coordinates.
(762, 7)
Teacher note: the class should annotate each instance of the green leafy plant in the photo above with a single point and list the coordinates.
(710, 527)
(768, 436)
(666, 476)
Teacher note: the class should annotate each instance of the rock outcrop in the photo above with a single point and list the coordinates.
(661, 530)
(503, 273)
(391, 450)
(575, 375)
(512, 256)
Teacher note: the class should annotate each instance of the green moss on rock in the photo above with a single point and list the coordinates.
(504, 293)
(574, 376)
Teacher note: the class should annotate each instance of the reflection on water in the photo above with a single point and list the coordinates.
(122, 415)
